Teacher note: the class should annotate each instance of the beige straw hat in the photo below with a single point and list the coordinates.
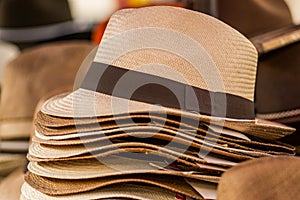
(33, 74)
(57, 187)
(92, 168)
(265, 178)
(99, 149)
(117, 191)
(220, 146)
(201, 65)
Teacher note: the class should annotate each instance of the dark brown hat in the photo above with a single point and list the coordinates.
(34, 20)
(264, 178)
(252, 17)
(273, 27)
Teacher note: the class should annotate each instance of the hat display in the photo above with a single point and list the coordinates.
(33, 74)
(264, 178)
(164, 110)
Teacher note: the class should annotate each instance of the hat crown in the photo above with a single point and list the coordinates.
(233, 56)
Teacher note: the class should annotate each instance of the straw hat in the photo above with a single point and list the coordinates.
(33, 74)
(55, 187)
(225, 146)
(218, 62)
(117, 191)
(89, 168)
(264, 178)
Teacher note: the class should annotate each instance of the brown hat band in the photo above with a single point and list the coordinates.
(139, 86)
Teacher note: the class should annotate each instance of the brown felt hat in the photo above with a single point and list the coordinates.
(264, 178)
(33, 74)
(254, 17)
(273, 28)
(33, 20)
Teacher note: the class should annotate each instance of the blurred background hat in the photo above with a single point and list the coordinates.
(33, 74)
(274, 28)
(32, 21)
(263, 178)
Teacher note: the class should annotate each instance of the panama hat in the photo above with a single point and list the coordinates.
(77, 169)
(38, 71)
(236, 69)
(257, 17)
(264, 178)
(250, 148)
(67, 187)
(117, 191)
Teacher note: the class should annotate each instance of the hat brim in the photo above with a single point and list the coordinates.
(110, 143)
(69, 152)
(10, 129)
(77, 169)
(56, 127)
(182, 138)
(117, 191)
(84, 103)
(67, 187)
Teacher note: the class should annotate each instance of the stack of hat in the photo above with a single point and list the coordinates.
(165, 108)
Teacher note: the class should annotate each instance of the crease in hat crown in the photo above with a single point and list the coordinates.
(234, 56)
